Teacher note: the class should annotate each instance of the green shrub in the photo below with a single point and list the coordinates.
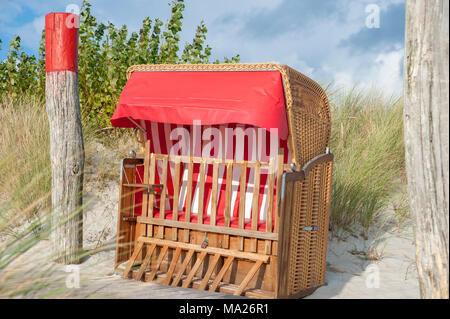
(104, 54)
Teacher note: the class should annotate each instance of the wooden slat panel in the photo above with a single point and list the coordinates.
(270, 188)
(162, 254)
(194, 269)
(253, 245)
(137, 250)
(135, 232)
(146, 262)
(189, 191)
(280, 169)
(214, 193)
(162, 201)
(183, 267)
(151, 197)
(211, 250)
(242, 188)
(188, 199)
(221, 273)
(215, 229)
(226, 239)
(124, 241)
(141, 186)
(133, 202)
(145, 196)
(209, 272)
(269, 212)
(252, 293)
(268, 247)
(210, 160)
(285, 225)
(176, 190)
(172, 265)
(255, 206)
(151, 180)
(229, 181)
(176, 194)
(242, 192)
(255, 202)
(247, 278)
(201, 192)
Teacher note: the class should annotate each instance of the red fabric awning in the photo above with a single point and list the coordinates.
(213, 97)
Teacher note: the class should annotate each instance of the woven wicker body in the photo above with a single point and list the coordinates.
(279, 255)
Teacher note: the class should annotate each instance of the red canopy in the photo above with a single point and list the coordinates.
(213, 97)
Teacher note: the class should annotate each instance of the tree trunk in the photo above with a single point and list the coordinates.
(67, 162)
(426, 95)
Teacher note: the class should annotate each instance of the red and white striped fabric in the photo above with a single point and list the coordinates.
(225, 141)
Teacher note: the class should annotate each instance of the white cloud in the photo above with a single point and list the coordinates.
(314, 48)
(383, 72)
(386, 70)
(344, 79)
(31, 32)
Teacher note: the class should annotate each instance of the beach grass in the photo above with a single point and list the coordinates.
(369, 168)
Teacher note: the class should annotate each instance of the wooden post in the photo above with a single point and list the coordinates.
(66, 138)
(426, 95)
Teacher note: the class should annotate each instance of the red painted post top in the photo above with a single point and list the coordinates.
(61, 42)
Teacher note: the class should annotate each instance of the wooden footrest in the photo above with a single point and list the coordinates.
(227, 288)
(179, 278)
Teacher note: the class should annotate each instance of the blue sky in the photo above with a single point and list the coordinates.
(327, 40)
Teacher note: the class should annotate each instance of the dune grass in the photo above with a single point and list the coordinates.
(369, 169)
(25, 197)
(24, 156)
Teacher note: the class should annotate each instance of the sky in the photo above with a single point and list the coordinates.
(347, 42)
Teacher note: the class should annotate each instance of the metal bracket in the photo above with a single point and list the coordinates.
(310, 228)
(283, 182)
(293, 167)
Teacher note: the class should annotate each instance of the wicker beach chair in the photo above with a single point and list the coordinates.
(231, 190)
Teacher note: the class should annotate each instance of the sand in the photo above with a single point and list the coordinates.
(350, 275)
